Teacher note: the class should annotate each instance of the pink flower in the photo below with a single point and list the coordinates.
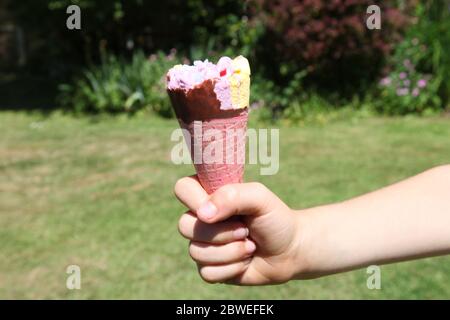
(422, 83)
(402, 75)
(406, 82)
(385, 81)
(415, 92)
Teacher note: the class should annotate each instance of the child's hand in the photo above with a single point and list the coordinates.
(260, 247)
(270, 243)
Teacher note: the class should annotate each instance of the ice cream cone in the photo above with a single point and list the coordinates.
(211, 104)
(230, 137)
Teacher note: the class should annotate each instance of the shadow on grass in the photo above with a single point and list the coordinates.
(25, 92)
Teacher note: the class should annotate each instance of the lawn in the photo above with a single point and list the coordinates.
(97, 193)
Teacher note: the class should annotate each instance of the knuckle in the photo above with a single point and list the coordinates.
(228, 193)
(263, 194)
(259, 187)
(207, 275)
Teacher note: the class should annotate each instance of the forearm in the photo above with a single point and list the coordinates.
(407, 220)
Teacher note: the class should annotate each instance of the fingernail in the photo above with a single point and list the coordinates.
(240, 233)
(250, 246)
(207, 210)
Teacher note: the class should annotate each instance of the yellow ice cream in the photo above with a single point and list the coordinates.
(240, 83)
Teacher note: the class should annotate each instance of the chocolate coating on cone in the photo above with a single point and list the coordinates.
(199, 103)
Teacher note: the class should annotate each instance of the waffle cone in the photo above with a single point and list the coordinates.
(218, 149)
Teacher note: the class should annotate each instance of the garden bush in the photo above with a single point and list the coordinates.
(418, 77)
(120, 27)
(118, 85)
(115, 26)
(329, 39)
(407, 89)
(300, 51)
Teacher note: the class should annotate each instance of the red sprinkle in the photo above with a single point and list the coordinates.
(223, 72)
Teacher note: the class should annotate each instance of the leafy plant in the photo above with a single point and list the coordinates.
(329, 39)
(418, 81)
(407, 90)
(433, 31)
(120, 86)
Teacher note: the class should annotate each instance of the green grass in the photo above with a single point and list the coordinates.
(97, 192)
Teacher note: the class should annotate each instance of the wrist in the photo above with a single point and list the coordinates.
(315, 251)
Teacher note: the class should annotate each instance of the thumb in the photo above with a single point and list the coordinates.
(238, 199)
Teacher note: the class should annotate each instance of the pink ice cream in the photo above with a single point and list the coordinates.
(187, 77)
(231, 80)
(222, 87)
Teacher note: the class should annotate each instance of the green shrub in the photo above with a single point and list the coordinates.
(433, 30)
(418, 81)
(222, 27)
(119, 27)
(266, 93)
(329, 39)
(117, 85)
(406, 89)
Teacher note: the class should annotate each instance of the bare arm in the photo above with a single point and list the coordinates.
(407, 220)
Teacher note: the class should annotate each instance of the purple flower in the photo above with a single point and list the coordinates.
(402, 75)
(385, 81)
(422, 83)
(406, 82)
(415, 92)
(402, 91)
